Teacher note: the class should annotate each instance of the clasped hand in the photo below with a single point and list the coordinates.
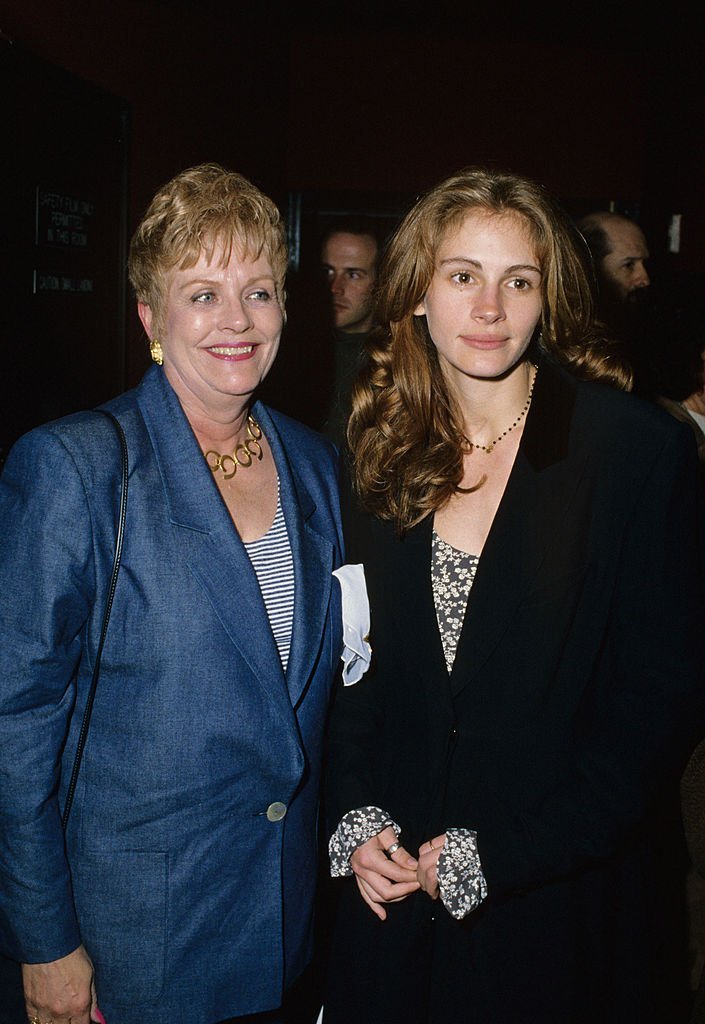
(383, 878)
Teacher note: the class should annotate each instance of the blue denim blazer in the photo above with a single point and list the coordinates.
(191, 895)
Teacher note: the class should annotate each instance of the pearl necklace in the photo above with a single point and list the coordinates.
(488, 448)
(242, 455)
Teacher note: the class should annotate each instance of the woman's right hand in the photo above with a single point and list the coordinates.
(381, 878)
(62, 991)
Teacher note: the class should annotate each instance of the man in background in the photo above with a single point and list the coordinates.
(350, 250)
(619, 252)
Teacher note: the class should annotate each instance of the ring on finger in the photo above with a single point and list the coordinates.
(430, 843)
(391, 850)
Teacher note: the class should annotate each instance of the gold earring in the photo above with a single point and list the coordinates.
(156, 352)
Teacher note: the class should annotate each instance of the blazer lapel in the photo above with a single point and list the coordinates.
(537, 498)
(211, 545)
(313, 557)
(411, 601)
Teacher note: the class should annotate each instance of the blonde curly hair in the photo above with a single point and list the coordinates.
(201, 209)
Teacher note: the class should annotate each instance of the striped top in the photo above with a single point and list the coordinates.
(274, 567)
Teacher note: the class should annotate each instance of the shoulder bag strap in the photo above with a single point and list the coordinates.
(83, 734)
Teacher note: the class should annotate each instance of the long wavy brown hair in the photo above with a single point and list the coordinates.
(405, 431)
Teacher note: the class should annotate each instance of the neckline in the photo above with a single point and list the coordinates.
(459, 551)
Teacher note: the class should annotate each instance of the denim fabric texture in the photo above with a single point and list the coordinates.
(193, 904)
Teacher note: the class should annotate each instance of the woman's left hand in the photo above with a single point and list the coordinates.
(428, 861)
(62, 991)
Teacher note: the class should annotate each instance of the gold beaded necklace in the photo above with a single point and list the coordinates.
(242, 455)
(488, 448)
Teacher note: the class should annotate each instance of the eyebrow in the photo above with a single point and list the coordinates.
(209, 282)
(465, 260)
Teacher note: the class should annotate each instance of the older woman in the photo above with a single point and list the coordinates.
(182, 891)
(530, 537)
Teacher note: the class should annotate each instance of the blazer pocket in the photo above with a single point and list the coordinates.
(121, 902)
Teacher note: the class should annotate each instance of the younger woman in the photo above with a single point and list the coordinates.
(530, 539)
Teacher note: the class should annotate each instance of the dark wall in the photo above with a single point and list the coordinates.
(600, 112)
(399, 113)
(199, 82)
(387, 98)
(62, 243)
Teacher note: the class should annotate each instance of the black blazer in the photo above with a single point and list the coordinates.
(575, 698)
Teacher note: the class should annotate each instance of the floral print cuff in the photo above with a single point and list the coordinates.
(460, 878)
(355, 828)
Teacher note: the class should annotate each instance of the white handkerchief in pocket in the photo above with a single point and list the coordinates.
(356, 623)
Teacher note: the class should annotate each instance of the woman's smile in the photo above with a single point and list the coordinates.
(231, 351)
